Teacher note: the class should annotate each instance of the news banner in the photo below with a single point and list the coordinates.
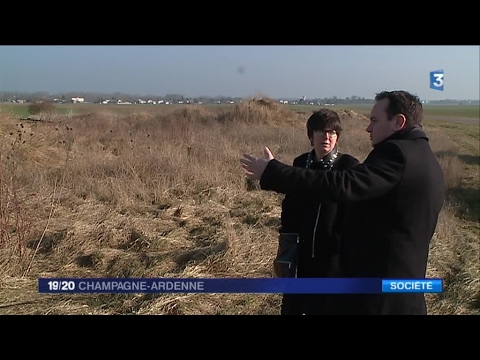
(239, 285)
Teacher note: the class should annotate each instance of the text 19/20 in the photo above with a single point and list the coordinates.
(61, 285)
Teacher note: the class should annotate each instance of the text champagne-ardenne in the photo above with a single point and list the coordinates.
(141, 285)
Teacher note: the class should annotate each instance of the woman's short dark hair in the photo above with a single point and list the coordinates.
(323, 119)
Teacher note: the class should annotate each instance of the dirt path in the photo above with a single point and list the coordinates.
(461, 120)
(455, 119)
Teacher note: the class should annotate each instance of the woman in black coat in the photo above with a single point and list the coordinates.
(317, 224)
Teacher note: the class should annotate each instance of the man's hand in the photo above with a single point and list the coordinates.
(253, 166)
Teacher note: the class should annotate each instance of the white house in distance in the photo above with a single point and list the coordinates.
(77, 100)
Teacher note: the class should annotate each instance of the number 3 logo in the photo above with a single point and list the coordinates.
(439, 80)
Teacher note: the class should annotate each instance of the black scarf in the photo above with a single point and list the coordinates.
(326, 163)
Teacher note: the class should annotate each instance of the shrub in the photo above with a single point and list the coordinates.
(38, 107)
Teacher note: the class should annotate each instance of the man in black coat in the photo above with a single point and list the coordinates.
(394, 200)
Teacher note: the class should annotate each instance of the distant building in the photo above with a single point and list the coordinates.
(78, 100)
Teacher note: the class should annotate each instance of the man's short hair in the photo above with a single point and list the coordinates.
(402, 102)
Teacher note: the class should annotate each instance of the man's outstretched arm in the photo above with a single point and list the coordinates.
(380, 172)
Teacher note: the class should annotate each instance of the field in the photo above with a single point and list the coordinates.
(449, 112)
(21, 110)
(457, 113)
(158, 191)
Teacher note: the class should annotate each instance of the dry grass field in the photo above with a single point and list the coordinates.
(161, 193)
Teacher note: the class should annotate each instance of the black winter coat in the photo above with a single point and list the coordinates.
(394, 200)
(318, 224)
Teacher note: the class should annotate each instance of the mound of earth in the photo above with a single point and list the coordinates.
(259, 111)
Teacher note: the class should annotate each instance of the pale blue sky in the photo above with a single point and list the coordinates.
(275, 71)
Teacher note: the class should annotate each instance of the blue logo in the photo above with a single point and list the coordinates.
(412, 286)
(437, 79)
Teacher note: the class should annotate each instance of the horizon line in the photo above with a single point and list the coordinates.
(211, 96)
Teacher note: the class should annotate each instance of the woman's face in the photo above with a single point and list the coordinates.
(324, 141)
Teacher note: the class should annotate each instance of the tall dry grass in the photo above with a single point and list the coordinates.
(162, 194)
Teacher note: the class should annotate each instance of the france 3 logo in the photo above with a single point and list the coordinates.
(437, 80)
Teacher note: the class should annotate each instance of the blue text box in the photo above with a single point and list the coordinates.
(212, 285)
(412, 286)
